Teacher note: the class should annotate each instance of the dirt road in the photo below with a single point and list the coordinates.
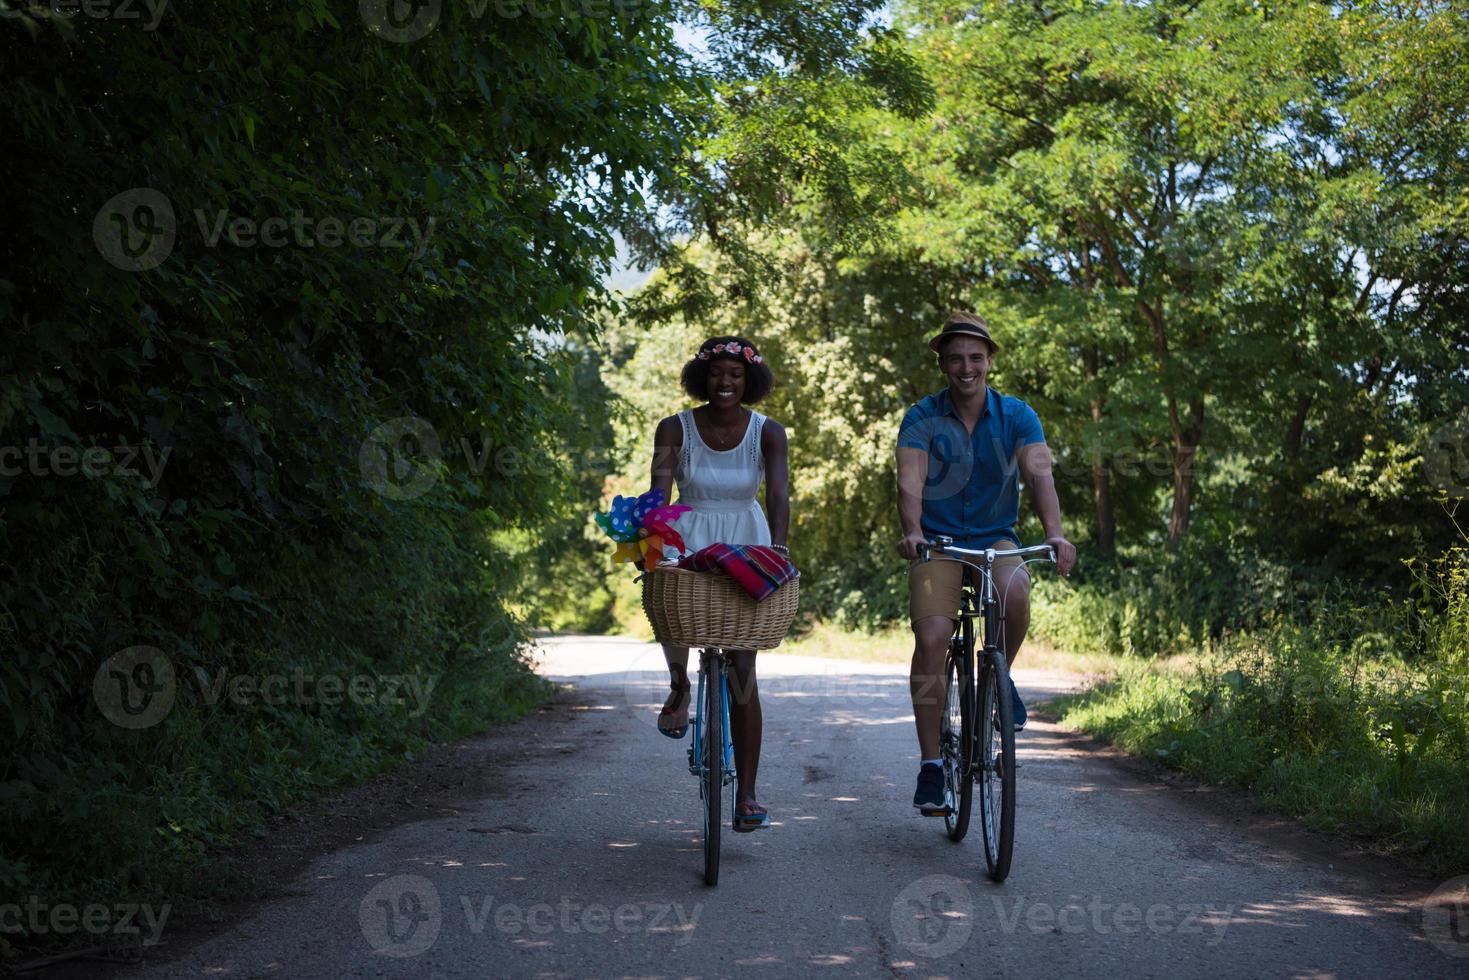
(588, 864)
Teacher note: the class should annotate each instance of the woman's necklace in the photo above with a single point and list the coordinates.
(724, 439)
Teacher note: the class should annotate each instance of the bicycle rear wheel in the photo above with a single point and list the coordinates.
(995, 769)
(711, 781)
(956, 739)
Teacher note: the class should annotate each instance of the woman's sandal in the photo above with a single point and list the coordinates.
(669, 722)
(749, 816)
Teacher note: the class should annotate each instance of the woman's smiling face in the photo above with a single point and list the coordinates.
(726, 382)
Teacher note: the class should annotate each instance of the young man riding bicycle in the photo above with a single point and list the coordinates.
(961, 452)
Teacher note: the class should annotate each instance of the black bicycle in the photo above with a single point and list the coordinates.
(977, 731)
(711, 755)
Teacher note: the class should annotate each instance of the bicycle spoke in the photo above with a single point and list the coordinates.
(957, 724)
(712, 782)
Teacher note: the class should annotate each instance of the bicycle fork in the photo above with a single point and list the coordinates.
(696, 766)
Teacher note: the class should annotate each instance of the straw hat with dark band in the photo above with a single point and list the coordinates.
(963, 325)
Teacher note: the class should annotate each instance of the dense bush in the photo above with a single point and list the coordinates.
(1353, 716)
(331, 250)
(1156, 603)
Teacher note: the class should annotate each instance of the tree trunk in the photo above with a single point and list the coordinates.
(1297, 427)
(1106, 521)
(1186, 433)
(1101, 475)
(1185, 445)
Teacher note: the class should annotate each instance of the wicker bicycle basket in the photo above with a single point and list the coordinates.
(705, 609)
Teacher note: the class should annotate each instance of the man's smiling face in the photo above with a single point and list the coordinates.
(965, 362)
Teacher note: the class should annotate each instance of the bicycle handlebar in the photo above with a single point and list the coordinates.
(944, 548)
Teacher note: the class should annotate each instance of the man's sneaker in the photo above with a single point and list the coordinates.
(1018, 706)
(932, 796)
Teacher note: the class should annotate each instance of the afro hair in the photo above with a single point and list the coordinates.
(758, 377)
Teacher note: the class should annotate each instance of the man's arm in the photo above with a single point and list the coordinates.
(912, 474)
(1035, 466)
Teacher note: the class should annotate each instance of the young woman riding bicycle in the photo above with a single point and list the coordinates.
(719, 453)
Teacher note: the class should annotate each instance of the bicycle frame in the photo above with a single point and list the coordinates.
(944, 550)
(696, 765)
(979, 588)
(985, 760)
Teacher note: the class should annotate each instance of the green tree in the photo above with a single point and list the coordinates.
(266, 243)
(1202, 228)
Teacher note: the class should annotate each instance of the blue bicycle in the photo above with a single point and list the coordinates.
(711, 756)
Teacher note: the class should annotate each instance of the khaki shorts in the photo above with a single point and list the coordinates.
(934, 587)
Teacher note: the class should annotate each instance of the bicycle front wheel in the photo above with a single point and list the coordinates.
(957, 739)
(711, 783)
(995, 769)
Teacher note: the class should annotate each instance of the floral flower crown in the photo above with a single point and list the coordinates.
(733, 347)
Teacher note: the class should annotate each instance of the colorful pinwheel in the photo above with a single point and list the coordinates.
(640, 526)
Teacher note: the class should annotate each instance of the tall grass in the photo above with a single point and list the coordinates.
(1351, 715)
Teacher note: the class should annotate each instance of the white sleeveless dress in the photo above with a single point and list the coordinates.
(720, 486)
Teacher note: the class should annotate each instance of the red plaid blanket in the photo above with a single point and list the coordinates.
(758, 570)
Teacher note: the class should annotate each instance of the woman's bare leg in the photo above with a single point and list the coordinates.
(746, 721)
(676, 707)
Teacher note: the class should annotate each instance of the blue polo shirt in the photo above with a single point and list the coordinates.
(973, 489)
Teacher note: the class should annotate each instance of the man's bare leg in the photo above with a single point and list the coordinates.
(926, 680)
